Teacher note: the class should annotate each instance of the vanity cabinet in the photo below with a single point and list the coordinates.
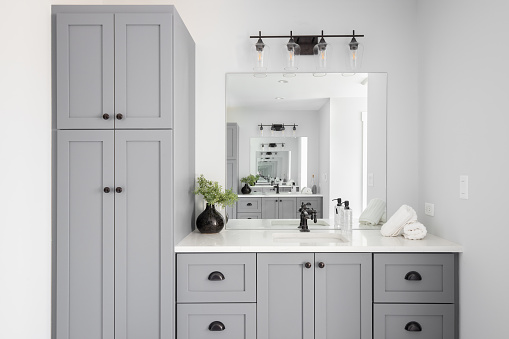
(314, 202)
(414, 294)
(279, 208)
(232, 164)
(114, 70)
(216, 296)
(314, 295)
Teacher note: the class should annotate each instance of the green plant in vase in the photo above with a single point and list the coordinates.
(250, 180)
(210, 220)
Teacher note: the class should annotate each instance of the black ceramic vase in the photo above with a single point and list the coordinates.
(246, 189)
(210, 220)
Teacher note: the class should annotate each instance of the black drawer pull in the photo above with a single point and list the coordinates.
(216, 276)
(413, 326)
(413, 275)
(249, 204)
(216, 326)
(249, 218)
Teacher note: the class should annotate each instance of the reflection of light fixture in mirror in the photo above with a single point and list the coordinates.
(294, 132)
(320, 51)
(277, 128)
(355, 52)
(261, 131)
(292, 52)
(283, 81)
(279, 98)
(260, 53)
(289, 75)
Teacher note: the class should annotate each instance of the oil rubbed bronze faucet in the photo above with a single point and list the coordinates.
(305, 214)
(277, 188)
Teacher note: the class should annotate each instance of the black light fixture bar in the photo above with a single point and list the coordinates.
(278, 127)
(308, 36)
(306, 42)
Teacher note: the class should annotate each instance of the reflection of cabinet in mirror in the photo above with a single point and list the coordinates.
(274, 207)
(232, 163)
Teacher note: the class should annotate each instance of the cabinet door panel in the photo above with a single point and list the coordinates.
(84, 71)
(343, 295)
(270, 208)
(85, 240)
(232, 140)
(232, 183)
(287, 208)
(143, 285)
(285, 292)
(143, 72)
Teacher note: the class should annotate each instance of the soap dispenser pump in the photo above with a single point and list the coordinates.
(338, 213)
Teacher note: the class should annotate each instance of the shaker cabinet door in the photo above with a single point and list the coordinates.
(143, 234)
(85, 235)
(343, 295)
(143, 70)
(285, 292)
(287, 208)
(270, 208)
(84, 71)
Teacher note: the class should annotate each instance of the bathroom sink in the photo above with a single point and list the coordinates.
(296, 222)
(314, 237)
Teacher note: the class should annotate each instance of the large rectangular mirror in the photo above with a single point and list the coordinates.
(303, 130)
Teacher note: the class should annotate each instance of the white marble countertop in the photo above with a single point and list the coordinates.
(233, 240)
(282, 194)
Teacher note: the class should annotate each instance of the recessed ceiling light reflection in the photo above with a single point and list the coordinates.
(289, 75)
(279, 98)
(283, 81)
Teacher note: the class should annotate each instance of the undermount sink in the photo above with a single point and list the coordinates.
(296, 222)
(313, 237)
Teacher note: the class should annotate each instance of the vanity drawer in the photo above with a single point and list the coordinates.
(249, 205)
(316, 203)
(247, 215)
(414, 278)
(225, 321)
(216, 277)
(413, 321)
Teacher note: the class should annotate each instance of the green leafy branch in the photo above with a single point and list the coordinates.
(213, 193)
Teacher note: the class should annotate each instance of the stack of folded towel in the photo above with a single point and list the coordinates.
(374, 213)
(404, 221)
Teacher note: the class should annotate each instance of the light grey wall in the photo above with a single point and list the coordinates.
(25, 141)
(463, 129)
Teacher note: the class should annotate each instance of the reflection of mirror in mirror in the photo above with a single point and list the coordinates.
(341, 121)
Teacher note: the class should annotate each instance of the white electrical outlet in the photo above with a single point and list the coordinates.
(429, 209)
(464, 187)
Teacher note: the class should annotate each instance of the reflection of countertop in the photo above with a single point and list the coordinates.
(278, 224)
(232, 240)
(282, 194)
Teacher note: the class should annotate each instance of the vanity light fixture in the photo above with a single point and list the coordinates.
(355, 52)
(308, 45)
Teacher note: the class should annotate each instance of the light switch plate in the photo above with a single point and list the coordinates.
(464, 187)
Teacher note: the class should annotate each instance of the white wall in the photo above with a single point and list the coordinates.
(346, 151)
(463, 129)
(25, 108)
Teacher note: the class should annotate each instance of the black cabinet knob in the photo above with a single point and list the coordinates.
(216, 326)
(216, 276)
(280, 200)
(413, 275)
(413, 326)
(321, 264)
(118, 189)
(307, 265)
(106, 190)
(106, 116)
(249, 204)
(120, 116)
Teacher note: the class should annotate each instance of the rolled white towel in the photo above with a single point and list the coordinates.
(373, 213)
(414, 231)
(394, 226)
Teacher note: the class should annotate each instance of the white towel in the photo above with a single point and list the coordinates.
(414, 231)
(373, 213)
(394, 226)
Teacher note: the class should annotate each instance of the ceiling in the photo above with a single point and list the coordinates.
(304, 91)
